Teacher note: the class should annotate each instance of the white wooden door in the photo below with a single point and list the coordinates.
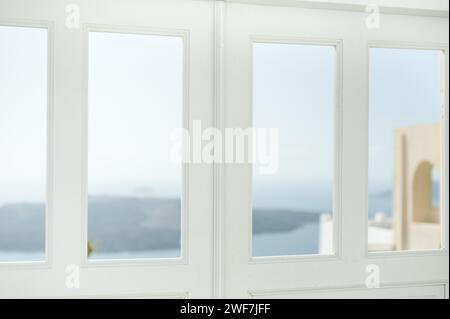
(91, 43)
(121, 74)
(269, 45)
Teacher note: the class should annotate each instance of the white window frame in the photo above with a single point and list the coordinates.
(66, 229)
(185, 123)
(337, 148)
(292, 277)
(443, 121)
(49, 196)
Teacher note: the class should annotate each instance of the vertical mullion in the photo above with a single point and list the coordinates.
(219, 221)
(355, 150)
(68, 150)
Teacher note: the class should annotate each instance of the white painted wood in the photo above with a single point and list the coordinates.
(426, 291)
(192, 274)
(244, 275)
(216, 260)
(438, 8)
(219, 111)
(49, 27)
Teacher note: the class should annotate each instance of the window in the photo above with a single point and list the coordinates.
(404, 150)
(135, 103)
(23, 143)
(101, 190)
(294, 92)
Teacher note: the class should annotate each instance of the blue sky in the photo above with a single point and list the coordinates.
(404, 91)
(23, 112)
(135, 101)
(293, 90)
(136, 90)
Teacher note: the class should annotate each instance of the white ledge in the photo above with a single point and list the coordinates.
(435, 8)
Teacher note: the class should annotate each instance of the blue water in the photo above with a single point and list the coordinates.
(21, 256)
(301, 241)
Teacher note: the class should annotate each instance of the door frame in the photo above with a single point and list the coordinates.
(342, 275)
(211, 268)
(66, 229)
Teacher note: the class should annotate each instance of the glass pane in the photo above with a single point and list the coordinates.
(23, 142)
(404, 150)
(135, 103)
(294, 91)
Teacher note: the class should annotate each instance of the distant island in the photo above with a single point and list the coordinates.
(128, 224)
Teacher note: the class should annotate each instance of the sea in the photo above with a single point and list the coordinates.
(301, 241)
